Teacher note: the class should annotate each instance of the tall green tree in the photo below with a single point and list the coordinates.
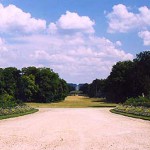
(119, 82)
(96, 88)
(12, 78)
(32, 84)
(28, 88)
(2, 83)
(84, 88)
(142, 73)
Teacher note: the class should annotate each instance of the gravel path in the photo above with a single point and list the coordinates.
(74, 129)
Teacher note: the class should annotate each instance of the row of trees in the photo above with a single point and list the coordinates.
(72, 87)
(127, 79)
(32, 84)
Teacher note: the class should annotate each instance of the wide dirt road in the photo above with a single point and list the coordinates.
(74, 129)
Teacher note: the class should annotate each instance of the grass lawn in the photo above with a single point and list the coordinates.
(74, 102)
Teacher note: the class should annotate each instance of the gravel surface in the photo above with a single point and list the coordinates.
(74, 129)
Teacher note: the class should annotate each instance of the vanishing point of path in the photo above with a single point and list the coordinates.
(74, 129)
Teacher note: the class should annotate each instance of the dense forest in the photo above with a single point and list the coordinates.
(127, 79)
(31, 85)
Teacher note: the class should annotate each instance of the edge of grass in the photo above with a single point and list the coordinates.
(130, 115)
(75, 102)
(103, 106)
(18, 114)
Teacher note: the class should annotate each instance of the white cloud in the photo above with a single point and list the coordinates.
(7, 56)
(75, 61)
(71, 21)
(13, 19)
(2, 45)
(118, 43)
(77, 56)
(145, 35)
(122, 20)
(52, 28)
(91, 58)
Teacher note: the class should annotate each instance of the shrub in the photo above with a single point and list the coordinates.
(7, 101)
(15, 110)
(139, 101)
(138, 110)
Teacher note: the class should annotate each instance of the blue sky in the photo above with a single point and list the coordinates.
(80, 40)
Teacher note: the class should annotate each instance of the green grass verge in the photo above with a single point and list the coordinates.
(18, 114)
(74, 102)
(130, 115)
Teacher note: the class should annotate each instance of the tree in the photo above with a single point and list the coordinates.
(12, 78)
(62, 89)
(119, 82)
(72, 87)
(29, 71)
(2, 91)
(84, 88)
(96, 88)
(142, 73)
(32, 84)
(28, 88)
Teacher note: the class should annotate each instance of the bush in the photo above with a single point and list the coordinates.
(139, 101)
(15, 110)
(7, 101)
(138, 110)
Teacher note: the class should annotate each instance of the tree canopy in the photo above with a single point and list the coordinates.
(127, 79)
(32, 84)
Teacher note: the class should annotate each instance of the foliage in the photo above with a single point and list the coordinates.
(7, 101)
(127, 79)
(28, 88)
(84, 88)
(95, 89)
(16, 111)
(30, 84)
(139, 110)
(141, 74)
(119, 82)
(72, 87)
(139, 101)
(135, 107)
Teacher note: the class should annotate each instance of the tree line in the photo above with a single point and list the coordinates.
(32, 84)
(127, 79)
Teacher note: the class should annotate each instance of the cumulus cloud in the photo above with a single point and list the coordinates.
(7, 57)
(78, 56)
(145, 35)
(52, 28)
(13, 19)
(93, 57)
(122, 20)
(118, 43)
(3, 48)
(71, 21)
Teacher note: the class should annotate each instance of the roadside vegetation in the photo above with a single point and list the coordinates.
(32, 84)
(128, 85)
(134, 107)
(75, 102)
(28, 85)
(9, 107)
(17, 111)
